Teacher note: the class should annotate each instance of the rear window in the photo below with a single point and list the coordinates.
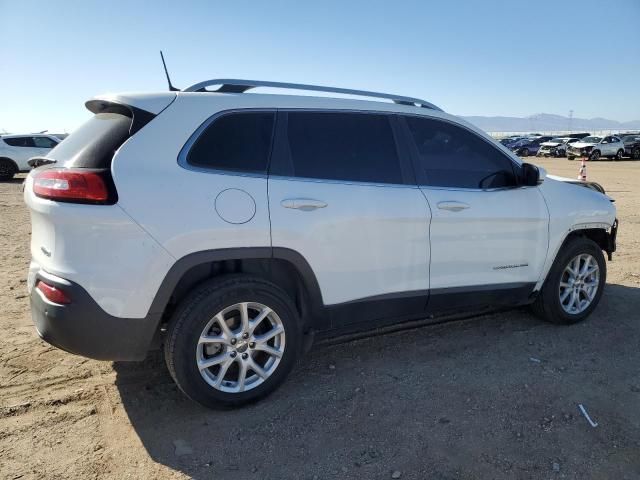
(93, 144)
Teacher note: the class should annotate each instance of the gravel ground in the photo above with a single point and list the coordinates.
(495, 396)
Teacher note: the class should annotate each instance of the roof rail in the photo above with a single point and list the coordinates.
(230, 85)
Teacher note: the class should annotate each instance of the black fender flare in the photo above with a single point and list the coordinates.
(186, 263)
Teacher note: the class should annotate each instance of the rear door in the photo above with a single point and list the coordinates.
(487, 233)
(342, 194)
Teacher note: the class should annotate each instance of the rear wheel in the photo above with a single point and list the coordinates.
(7, 169)
(635, 153)
(232, 341)
(619, 155)
(575, 283)
(524, 152)
(595, 155)
(571, 158)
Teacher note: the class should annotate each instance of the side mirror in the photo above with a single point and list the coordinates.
(532, 175)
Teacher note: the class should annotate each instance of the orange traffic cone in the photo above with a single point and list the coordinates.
(582, 174)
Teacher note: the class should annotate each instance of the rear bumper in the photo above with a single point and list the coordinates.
(83, 328)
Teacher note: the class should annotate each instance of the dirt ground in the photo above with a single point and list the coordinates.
(495, 396)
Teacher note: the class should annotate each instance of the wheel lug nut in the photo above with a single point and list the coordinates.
(252, 345)
(233, 341)
(233, 354)
(245, 335)
(245, 356)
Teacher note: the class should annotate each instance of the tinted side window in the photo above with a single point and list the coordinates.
(19, 141)
(343, 146)
(236, 141)
(451, 156)
(43, 142)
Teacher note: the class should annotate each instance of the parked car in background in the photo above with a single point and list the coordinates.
(595, 147)
(632, 146)
(556, 147)
(509, 141)
(16, 150)
(529, 146)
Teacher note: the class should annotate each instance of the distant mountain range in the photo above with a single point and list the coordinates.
(545, 122)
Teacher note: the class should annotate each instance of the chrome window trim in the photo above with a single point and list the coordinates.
(184, 151)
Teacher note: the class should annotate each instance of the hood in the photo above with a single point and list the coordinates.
(582, 144)
(590, 185)
(550, 144)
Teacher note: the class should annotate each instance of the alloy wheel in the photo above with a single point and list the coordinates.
(240, 347)
(579, 284)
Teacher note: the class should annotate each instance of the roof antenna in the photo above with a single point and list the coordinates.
(166, 72)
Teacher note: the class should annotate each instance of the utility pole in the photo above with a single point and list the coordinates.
(570, 120)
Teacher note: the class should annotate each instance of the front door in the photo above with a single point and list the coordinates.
(342, 196)
(488, 235)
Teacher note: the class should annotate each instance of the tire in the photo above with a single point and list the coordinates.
(635, 153)
(524, 152)
(548, 305)
(571, 158)
(196, 316)
(619, 155)
(595, 155)
(7, 169)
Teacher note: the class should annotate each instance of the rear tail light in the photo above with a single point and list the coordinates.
(53, 294)
(74, 185)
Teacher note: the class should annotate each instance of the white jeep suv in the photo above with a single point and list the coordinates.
(16, 150)
(235, 227)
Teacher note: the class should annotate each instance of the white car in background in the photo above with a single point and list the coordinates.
(16, 150)
(596, 147)
(556, 147)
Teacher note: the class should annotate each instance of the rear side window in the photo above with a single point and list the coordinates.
(19, 141)
(451, 156)
(343, 146)
(93, 144)
(238, 142)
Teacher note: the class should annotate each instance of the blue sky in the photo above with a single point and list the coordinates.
(491, 57)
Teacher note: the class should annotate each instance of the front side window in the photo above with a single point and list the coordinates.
(346, 146)
(43, 142)
(451, 156)
(239, 141)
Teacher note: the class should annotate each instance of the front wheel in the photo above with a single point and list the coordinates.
(635, 153)
(570, 157)
(575, 283)
(232, 341)
(595, 155)
(524, 152)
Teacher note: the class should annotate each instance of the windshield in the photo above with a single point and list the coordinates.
(557, 140)
(631, 138)
(592, 139)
